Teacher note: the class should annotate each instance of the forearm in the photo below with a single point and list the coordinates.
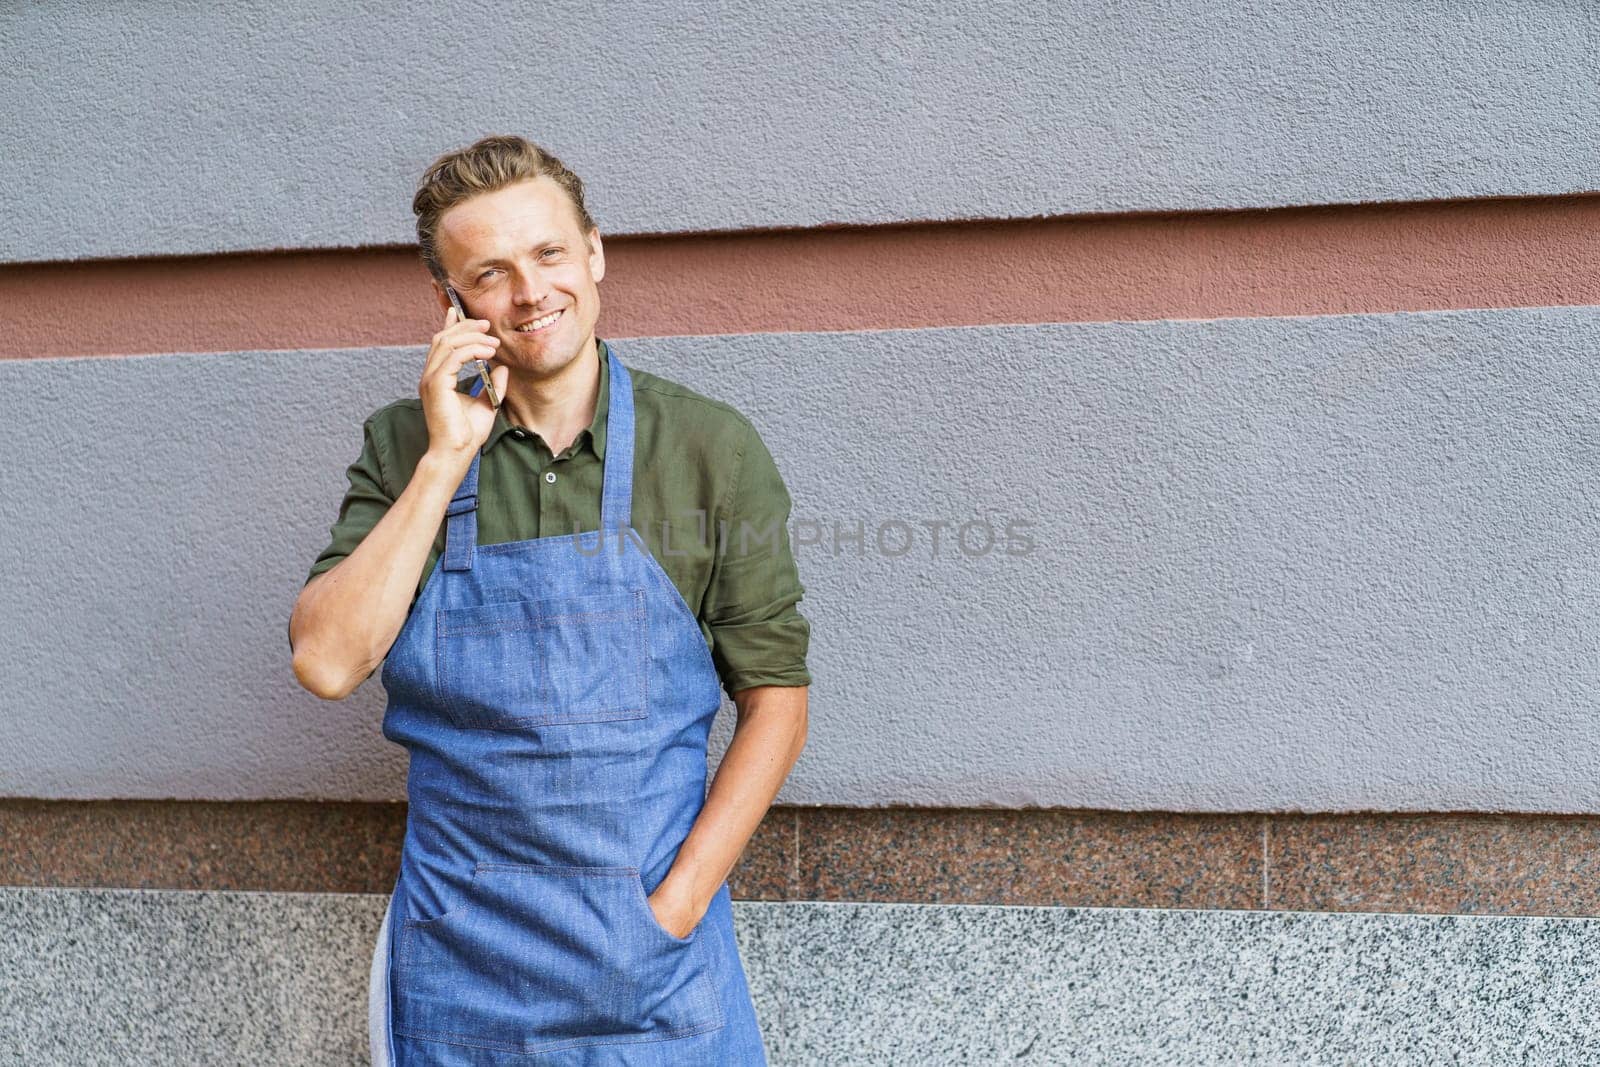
(345, 620)
(770, 734)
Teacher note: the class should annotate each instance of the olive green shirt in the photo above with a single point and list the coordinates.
(708, 502)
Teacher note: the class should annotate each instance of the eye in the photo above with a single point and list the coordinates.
(551, 251)
(486, 273)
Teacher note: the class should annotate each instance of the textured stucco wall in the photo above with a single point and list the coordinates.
(197, 128)
(1331, 563)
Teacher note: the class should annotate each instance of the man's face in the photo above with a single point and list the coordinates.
(517, 256)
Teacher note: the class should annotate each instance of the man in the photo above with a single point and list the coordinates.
(558, 590)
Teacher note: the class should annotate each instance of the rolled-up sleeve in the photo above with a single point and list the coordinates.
(365, 502)
(758, 635)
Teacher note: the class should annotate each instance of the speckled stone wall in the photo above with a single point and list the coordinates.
(102, 977)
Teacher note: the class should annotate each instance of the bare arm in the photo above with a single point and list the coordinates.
(346, 619)
(767, 740)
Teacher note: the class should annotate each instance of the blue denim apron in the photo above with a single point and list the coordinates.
(555, 696)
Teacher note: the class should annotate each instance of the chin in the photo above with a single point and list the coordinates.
(544, 363)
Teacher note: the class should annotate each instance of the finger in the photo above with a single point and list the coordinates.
(435, 349)
(451, 366)
(436, 355)
(476, 330)
(473, 330)
(451, 320)
(468, 330)
(445, 366)
(462, 319)
(443, 346)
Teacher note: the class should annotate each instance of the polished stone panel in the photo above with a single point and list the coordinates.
(1382, 862)
(985, 856)
(1474, 864)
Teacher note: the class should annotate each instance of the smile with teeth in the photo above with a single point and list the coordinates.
(540, 324)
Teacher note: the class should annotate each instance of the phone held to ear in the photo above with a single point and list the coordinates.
(473, 378)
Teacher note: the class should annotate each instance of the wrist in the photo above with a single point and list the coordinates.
(437, 467)
(678, 889)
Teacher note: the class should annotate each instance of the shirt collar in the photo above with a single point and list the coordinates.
(596, 430)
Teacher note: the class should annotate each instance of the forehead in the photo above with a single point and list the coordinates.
(491, 224)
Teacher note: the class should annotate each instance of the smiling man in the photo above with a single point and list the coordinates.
(563, 877)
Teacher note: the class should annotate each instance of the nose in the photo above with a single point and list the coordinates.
(530, 287)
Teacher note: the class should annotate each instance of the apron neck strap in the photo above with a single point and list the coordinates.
(461, 521)
(616, 503)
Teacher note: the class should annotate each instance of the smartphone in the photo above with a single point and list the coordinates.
(473, 378)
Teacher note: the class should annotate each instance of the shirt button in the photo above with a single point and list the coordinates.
(549, 476)
(519, 434)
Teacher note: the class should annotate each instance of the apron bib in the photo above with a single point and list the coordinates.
(555, 696)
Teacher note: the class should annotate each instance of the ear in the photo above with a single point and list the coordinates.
(443, 297)
(597, 255)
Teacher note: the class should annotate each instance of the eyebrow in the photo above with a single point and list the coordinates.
(484, 261)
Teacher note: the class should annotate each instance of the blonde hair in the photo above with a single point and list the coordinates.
(488, 164)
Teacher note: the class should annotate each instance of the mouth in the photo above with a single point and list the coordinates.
(541, 325)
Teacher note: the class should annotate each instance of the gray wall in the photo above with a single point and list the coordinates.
(1330, 563)
(188, 127)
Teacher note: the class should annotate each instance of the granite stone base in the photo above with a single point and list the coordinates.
(117, 976)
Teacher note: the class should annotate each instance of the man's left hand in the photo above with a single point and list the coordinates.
(676, 916)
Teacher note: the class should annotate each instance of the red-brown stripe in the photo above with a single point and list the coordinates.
(1488, 864)
(1299, 261)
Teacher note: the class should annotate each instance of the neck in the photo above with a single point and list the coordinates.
(557, 407)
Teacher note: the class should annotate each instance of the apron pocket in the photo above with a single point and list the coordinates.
(541, 958)
(526, 663)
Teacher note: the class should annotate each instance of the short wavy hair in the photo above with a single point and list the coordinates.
(486, 165)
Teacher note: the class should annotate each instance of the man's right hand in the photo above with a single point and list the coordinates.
(458, 423)
(345, 620)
